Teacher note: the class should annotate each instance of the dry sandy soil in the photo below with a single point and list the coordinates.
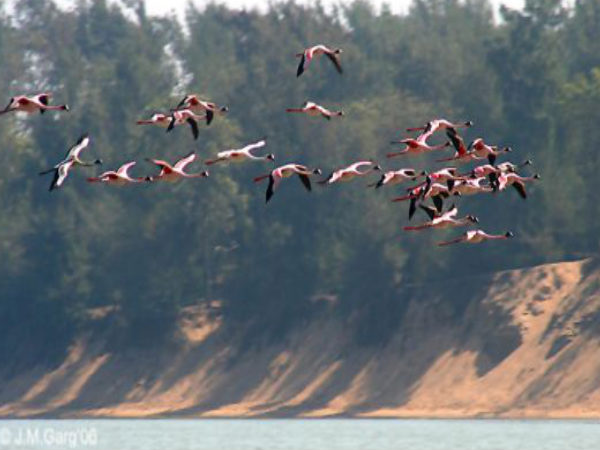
(525, 345)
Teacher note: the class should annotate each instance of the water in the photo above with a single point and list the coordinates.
(334, 434)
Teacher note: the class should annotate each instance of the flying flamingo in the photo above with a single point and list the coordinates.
(461, 155)
(475, 237)
(285, 171)
(175, 172)
(482, 150)
(193, 103)
(169, 121)
(33, 104)
(312, 109)
(308, 54)
(440, 124)
(442, 220)
(436, 191)
(350, 172)
(71, 159)
(441, 176)
(242, 154)
(507, 166)
(158, 119)
(182, 116)
(415, 147)
(120, 177)
(516, 181)
(488, 171)
(393, 177)
(468, 186)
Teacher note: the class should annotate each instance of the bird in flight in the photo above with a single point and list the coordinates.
(119, 177)
(285, 171)
(308, 54)
(195, 104)
(35, 103)
(242, 154)
(71, 159)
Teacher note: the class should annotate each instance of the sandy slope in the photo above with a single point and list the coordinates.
(526, 344)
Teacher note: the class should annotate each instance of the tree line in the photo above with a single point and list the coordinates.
(531, 81)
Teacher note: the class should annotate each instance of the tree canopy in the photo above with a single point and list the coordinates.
(531, 81)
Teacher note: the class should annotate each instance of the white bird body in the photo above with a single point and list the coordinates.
(350, 172)
(176, 172)
(476, 237)
(485, 170)
(310, 53)
(469, 186)
(482, 150)
(440, 176)
(242, 154)
(285, 171)
(394, 177)
(176, 118)
(314, 110)
(71, 159)
(438, 124)
(517, 181)
(32, 104)
(193, 103)
(120, 177)
(415, 147)
(158, 119)
(443, 221)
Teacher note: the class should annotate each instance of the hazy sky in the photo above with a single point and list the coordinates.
(178, 6)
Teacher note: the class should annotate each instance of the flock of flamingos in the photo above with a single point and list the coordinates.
(438, 185)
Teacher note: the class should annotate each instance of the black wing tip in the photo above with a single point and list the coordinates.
(300, 70)
(194, 126)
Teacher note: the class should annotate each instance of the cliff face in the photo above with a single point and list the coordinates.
(519, 343)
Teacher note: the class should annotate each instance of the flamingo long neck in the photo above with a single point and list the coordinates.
(86, 163)
(262, 177)
(192, 175)
(365, 172)
(52, 107)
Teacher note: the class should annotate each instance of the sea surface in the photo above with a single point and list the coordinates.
(330, 434)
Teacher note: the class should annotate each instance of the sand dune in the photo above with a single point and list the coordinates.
(525, 345)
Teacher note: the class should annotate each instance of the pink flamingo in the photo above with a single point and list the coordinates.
(120, 177)
(442, 220)
(308, 54)
(313, 110)
(285, 171)
(35, 103)
(475, 237)
(350, 172)
(193, 103)
(175, 172)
